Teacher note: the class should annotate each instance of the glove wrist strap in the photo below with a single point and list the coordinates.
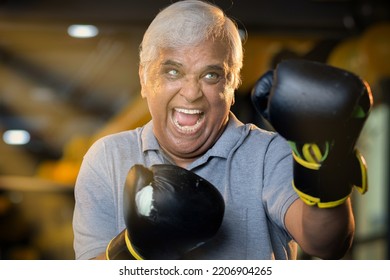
(329, 184)
(130, 247)
(120, 248)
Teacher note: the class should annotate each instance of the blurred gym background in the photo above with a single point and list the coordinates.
(69, 75)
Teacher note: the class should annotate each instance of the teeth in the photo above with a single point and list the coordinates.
(187, 128)
(188, 111)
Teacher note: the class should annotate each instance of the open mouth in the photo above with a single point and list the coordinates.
(188, 120)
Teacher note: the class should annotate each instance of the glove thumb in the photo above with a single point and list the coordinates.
(260, 93)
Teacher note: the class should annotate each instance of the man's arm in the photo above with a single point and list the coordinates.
(326, 233)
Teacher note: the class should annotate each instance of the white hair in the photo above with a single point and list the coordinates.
(190, 22)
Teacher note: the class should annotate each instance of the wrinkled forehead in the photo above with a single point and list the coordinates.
(209, 52)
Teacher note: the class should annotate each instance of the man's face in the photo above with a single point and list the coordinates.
(189, 97)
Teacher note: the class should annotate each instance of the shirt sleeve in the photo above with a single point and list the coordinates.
(94, 218)
(278, 193)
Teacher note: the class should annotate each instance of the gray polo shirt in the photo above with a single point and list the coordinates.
(252, 168)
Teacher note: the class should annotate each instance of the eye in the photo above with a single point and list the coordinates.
(212, 77)
(173, 73)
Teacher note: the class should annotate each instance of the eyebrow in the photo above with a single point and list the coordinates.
(170, 62)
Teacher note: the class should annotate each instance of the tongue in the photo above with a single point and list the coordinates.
(186, 119)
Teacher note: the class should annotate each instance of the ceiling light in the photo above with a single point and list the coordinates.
(83, 31)
(16, 137)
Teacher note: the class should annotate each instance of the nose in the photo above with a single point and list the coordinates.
(191, 90)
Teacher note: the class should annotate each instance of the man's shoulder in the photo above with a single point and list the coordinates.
(115, 141)
(120, 136)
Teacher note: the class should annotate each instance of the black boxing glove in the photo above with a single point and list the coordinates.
(320, 110)
(168, 212)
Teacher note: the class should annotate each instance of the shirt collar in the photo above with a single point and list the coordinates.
(228, 140)
(149, 141)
